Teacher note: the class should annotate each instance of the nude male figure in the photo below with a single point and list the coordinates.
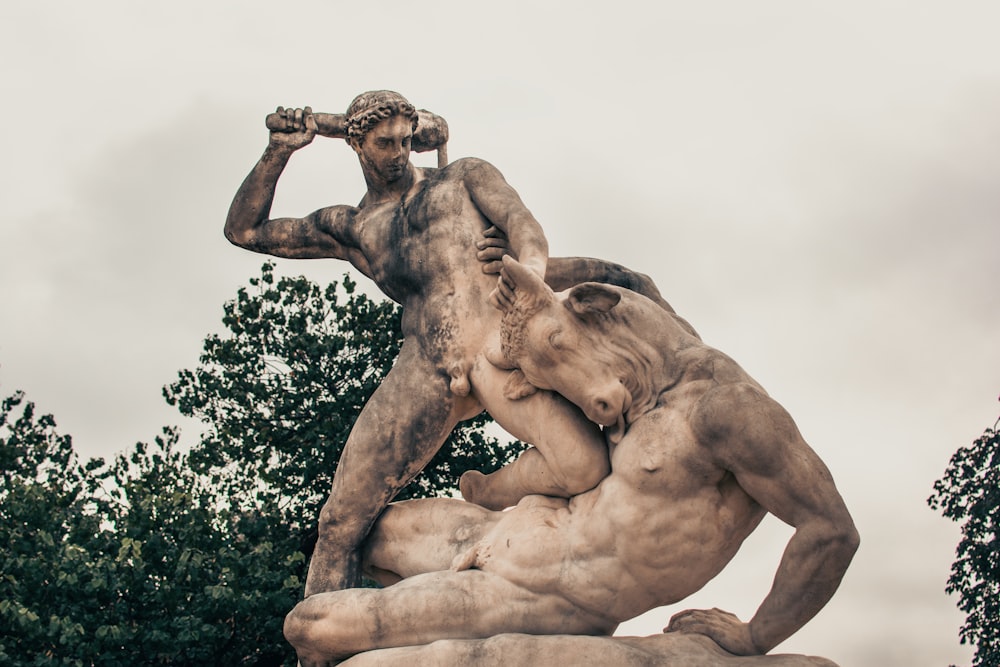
(415, 234)
(703, 455)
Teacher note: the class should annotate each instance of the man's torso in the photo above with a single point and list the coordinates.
(421, 252)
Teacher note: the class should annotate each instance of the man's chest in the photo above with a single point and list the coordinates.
(428, 206)
(435, 227)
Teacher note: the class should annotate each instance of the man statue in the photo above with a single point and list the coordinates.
(415, 234)
(700, 455)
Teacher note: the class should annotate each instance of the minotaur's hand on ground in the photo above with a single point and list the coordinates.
(726, 629)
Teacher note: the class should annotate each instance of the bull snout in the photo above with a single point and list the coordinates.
(606, 406)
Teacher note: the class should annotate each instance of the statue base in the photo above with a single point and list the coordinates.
(519, 650)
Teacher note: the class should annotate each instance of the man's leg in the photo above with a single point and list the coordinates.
(569, 456)
(327, 627)
(399, 430)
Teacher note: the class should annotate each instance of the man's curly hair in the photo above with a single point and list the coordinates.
(369, 109)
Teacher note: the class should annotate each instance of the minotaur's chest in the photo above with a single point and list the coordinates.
(661, 450)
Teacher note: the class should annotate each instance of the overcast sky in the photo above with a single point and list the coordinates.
(815, 186)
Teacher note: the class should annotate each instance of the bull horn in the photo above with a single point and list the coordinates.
(526, 282)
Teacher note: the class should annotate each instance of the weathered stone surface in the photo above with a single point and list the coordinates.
(416, 234)
(654, 454)
(517, 650)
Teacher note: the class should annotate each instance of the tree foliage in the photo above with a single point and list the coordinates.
(136, 562)
(969, 493)
(163, 557)
(48, 534)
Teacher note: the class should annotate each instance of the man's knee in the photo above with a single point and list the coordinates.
(581, 472)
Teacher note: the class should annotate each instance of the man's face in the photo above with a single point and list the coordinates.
(385, 150)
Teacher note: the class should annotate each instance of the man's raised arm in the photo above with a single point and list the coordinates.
(755, 438)
(319, 234)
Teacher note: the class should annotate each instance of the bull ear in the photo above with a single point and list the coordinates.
(592, 298)
(517, 386)
(528, 285)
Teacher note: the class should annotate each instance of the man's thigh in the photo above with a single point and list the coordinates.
(400, 428)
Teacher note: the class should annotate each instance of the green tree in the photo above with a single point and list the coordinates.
(49, 529)
(969, 492)
(133, 563)
(193, 584)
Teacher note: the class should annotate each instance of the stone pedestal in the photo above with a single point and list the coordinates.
(517, 650)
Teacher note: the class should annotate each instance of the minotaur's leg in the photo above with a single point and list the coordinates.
(438, 605)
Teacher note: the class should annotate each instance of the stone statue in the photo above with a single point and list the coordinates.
(699, 454)
(521, 650)
(416, 233)
(608, 523)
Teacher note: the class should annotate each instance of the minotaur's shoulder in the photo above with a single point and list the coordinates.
(730, 407)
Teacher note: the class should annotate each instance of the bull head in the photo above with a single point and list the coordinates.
(531, 296)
